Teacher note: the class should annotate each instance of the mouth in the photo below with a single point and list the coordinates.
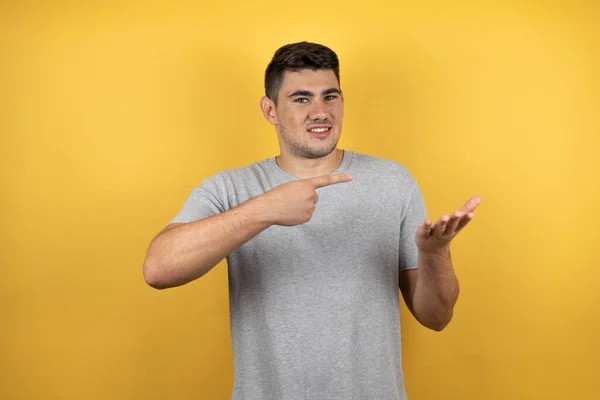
(320, 131)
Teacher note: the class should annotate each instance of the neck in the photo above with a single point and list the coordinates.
(309, 168)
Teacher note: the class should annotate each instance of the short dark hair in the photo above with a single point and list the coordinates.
(295, 57)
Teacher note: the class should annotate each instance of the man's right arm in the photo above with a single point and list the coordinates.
(182, 253)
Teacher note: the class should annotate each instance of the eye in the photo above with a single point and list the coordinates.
(330, 97)
(301, 100)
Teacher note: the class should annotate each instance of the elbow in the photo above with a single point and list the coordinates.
(442, 315)
(153, 276)
(160, 275)
(155, 283)
(439, 322)
(442, 323)
(438, 326)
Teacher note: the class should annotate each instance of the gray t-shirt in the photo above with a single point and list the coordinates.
(314, 308)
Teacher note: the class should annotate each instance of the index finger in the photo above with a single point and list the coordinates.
(327, 180)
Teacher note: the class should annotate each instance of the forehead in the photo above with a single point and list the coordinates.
(307, 79)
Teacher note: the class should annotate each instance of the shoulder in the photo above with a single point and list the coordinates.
(243, 175)
(382, 169)
(235, 185)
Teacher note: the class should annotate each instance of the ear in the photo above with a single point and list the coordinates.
(268, 109)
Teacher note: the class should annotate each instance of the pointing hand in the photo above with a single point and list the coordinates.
(294, 203)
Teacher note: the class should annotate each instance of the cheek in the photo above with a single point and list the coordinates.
(337, 107)
(299, 119)
(337, 113)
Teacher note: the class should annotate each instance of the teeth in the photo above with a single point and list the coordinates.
(319, 130)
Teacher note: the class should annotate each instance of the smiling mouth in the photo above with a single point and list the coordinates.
(319, 130)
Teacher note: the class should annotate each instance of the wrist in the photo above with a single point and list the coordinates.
(436, 253)
(261, 211)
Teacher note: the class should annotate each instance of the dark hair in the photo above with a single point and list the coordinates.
(295, 57)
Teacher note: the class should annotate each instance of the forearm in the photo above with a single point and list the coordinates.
(436, 290)
(187, 252)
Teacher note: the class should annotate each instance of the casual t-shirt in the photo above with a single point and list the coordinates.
(314, 308)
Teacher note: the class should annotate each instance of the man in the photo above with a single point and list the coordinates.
(318, 241)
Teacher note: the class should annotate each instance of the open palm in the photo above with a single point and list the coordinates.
(434, 237)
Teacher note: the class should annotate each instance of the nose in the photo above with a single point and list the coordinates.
(318, 111)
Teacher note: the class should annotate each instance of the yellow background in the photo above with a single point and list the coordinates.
(111, 112)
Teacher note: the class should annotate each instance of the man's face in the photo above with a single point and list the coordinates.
(308, 114)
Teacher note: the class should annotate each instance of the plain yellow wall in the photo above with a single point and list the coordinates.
(111, 112)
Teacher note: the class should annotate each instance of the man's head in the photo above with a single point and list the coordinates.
(303, 99)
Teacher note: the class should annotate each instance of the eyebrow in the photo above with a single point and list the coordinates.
(311, 94)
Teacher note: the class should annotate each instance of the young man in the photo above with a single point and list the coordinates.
(318, 241)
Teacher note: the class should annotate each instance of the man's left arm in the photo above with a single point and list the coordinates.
(431, 291)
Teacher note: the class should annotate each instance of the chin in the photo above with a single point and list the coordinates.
(320, 152)
(312, 148)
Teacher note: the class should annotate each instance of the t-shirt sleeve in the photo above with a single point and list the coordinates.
(414, 216)
(203, 202)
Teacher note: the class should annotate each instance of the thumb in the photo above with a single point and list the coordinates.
(471, 205)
